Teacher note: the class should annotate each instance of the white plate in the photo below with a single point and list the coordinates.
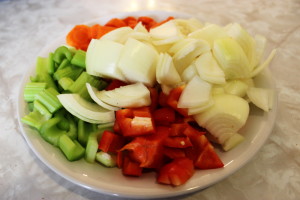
(112, 182)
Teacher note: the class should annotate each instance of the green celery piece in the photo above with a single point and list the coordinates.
(64, 122)
(72, 133)
(84, 130)
(107, 159)
(92, 142)
(79, 59)
(71, 148)
(30, 106)
(61, 53)
(34, 119)
(92, 146)
(68, 71)
(64, 64)
(65, 83)
(32, 89)
(79, 85)
(37, 105)
(42, 74)
(48, 98)
(50, 64)
(50, 131)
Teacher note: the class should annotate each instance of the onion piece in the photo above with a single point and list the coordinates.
(119, 35)
(102, 58)
(236, 87)
(261, 97)
(93, 92)
(231, 58)
(209, 33)
(164, 31)
(165, 70)
(138, 62)
(265, 64)
(187, 26)
(189, 73)
(196, 93)
(129, 96)
(209, 70)
(225, 117)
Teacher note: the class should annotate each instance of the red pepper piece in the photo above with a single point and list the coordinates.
(164, 116)
(177, 129)
(135, 122)
(177, 172)
(115, 84)
(162, 99)
(174, 152)
(173, 98)
(178, 142)
(131, 168)
(110, 142)
(154, 98)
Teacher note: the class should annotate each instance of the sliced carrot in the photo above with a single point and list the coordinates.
(79, 37)
(116, 22)
(98, 31)
(130, 21)
(148, 22)
(162, 22)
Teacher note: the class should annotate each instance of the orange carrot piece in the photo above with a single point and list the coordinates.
(130, 21)
(162, 22)
(147, 21)
(79, 37)
(116, 22)
(98, 31)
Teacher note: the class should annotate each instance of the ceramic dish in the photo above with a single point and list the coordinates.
(111, 181)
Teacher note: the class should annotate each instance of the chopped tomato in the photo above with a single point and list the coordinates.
(173, 98)
(164, 116)
(176, 172)
(110, 142)
(135, 121)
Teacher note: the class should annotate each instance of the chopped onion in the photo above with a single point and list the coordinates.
(119, 35)
(165, 70)
(261, 97)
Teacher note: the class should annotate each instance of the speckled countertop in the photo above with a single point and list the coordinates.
(26, 26)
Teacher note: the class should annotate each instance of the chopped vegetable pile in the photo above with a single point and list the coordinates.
(143, 95)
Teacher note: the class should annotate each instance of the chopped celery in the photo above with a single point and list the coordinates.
(34, 119)
(79, 85)
(65, 82)
(64, 122)
(84, 130)
(30, 106)
(63, 64)
(32, 89)
(79, 59)
(71, 148)
(37, 105)
(49, 98)
(68, 71)
(91, 147)
(72, 133)
(60, 53)
(107, 159)
(42, 73)
(50, 64)
(50, 132)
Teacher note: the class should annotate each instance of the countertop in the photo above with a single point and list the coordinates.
(26, 26)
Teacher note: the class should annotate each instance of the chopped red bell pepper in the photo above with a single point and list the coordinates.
(164, 116)
(173, 99)
(162, 99)
(115, 84)
(178, 142)
(154, 98)
(131, 168)
(176, 172)
(177, 129)
(135, 121)
(110, 142)
(173, 153)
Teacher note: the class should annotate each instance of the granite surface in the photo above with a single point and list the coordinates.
(26, 26)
